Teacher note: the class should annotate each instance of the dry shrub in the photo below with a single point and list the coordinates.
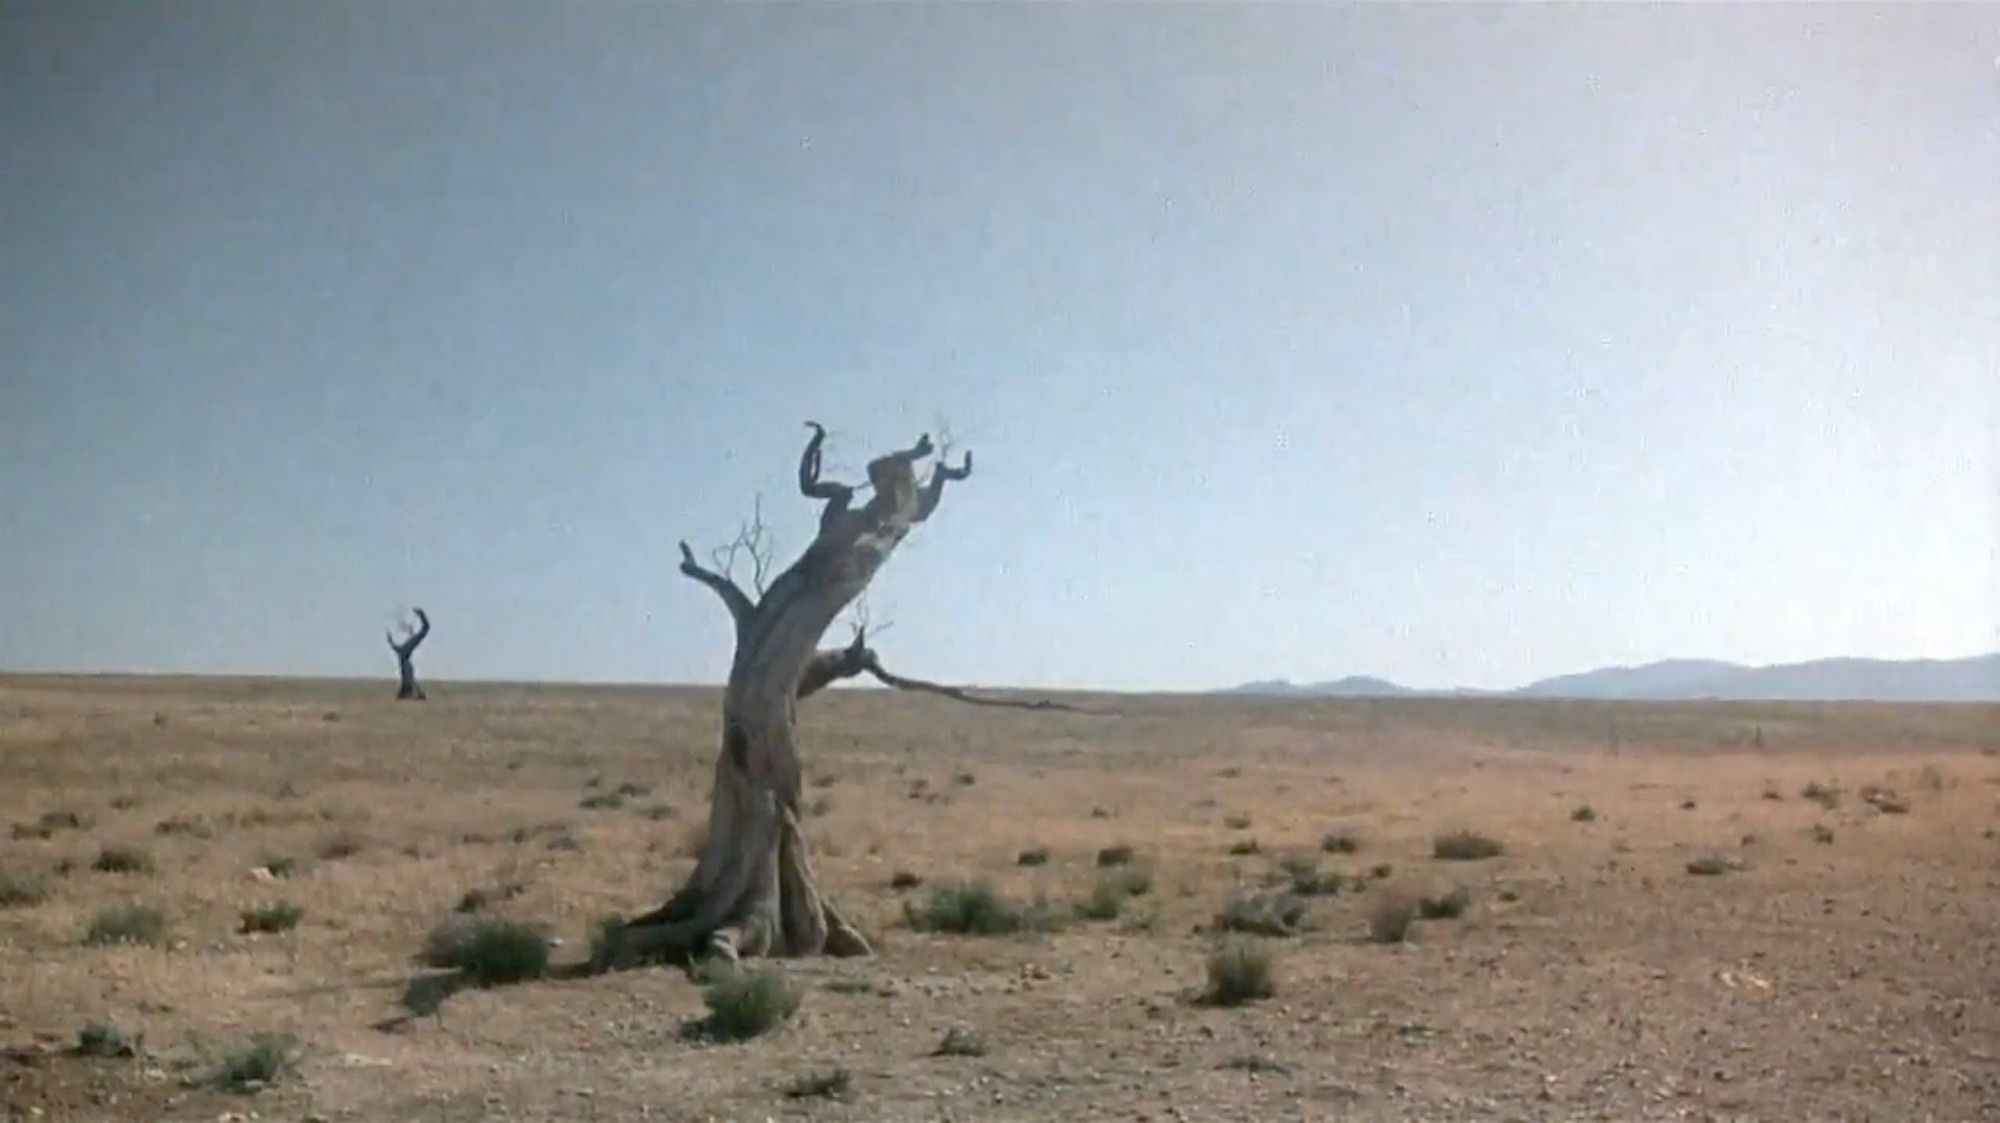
(342, 843)
(488, 952)
(1391, 917)
(973, 908)
(1450, 906)
(1240, 972)
(746, 1003)
(122, 859)
(125, 924)
(22, 892)
(1263, 914)
(1114, 856)
(1465, 846)
(280, 916)
(1339, 842)
(829, 1085)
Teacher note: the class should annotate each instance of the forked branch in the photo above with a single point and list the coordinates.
(406, 646)
(753, 541)
(941, 474)
(733, 597)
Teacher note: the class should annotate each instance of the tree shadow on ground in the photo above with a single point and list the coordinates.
(424, 995)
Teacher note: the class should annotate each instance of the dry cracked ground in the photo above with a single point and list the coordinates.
(1835, 957)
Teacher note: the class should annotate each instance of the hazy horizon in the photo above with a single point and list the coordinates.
(1454, 345)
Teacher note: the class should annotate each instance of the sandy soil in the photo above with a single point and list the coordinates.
(1845, 965)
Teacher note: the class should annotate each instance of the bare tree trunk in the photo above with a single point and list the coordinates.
(408, 689)
(753, 891)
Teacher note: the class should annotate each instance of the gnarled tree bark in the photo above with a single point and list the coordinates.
(753, 890)
(409, 689)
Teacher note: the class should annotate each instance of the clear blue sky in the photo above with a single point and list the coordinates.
(1460, 345)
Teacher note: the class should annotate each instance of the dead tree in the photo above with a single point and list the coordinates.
(753, 891)
(410, 690)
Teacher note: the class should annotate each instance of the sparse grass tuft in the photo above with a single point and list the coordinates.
(829, 1085)
(341, 844)
(904, 879)
(1826, 795)
(605, 934)
(187, 826)
(125, 924)
(601, 801)
(1238, 973)
(1465, 846)
(1382, 871)
(1262, 914)
(1107, 898)
(22, 892)
(122, 859)
(1339, 842)
(1391, 918)
(279, 865)
(1450, 906)
(1033, 856)
(479, 900)
(1236, 822)
(282, 916)
(746, 1003)
(1822, 834)
(960, 1042)
(255, 1065)
(1584, 813)
(100, 1040)
(1114, 856)
(973, 908)
(488, 952)
(49, 823)
(1708, 865)
(1243, 848)
(1305, 877)
(659, 812)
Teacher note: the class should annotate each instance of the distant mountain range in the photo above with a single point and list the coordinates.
(1976, 679)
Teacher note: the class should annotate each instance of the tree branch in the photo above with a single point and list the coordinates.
(752, 539)
(733, 597)
(959, 693)
(830, 665)
(810, 483)
(408, 644)
(838, 496)
(941, 474)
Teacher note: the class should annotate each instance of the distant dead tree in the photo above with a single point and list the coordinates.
(409, 690)
(753, 890)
